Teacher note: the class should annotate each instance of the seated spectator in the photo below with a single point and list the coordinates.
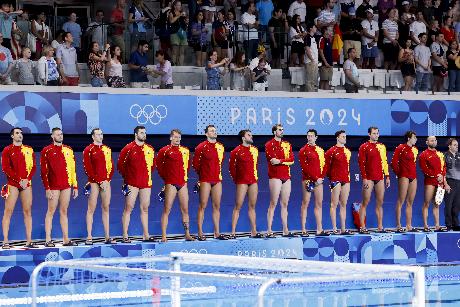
(390, 40)
(311, 59)
(96, 63)
(369, 40)
(261, 54)
(407, 63)
(250, 34)
(199, 38)
(178, 31)
(137, 65)
(423, 63)
(277, 27)
(25, 67)
(42, 33)
(351, 72)
(48, 71)
(239, 72)
(7, 15)
(416, 28)
(163, 69)
(219, 35)
(327, 17)
(448, 31)
(454, 70)
(384, 7)
(209, 10)
(259, 76)
(115, 68)
(351, 34)
(66, 58)
(325, 55)
(297, 35)
(213, 71)
(438, 63)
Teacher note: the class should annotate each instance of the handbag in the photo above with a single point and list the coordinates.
(32, 42)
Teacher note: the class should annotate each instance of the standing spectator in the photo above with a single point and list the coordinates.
(361, 11)
(232, 29)
(117, 20)
(6, 63)
(432, 32)
(259, 76)
(454, 70)
(299, 8)
(427, 10)
(24, 27)
(74, 28)
(448, 31)
(390, 40)
(162, 26)
(163, 69)
(219, 36)
(213, 71)
(325, 54)
(96, 63)
(41, 32)
(138, 66)
(351, 34)
(7, 15)
(297, 35)
(351, 73)
(438, 63)
(177, 28)
(264, 13)
(327, 17)
(423, 63)
(115, 68)
(230, 5)
(345, 6)
(239, 72)
(15, 38)
(369, 40)
(416, 28)
(58, 40)
(98, 29)
(200, 38)
(192, 5)
(407, 62)
(277, 28)
(48, 71)
(209, 10)
(136, 22)
(66, 58)
(384, 7)
(438, 10)
(311, 59)
(25, 67)
(250, 34)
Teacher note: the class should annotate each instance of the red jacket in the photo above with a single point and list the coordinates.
(243, 164)
(173, 164)
(18, 162)
(281, 150)
(58, 168)
(98, 163)
(136, 164)
(312, 162)
(207, 161)
(372, 158)
(337, 166)
(432, 164)
(404, 161)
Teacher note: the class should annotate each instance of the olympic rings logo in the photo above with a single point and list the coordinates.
(148, 113)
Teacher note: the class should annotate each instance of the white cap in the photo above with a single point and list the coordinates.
(405, 3)
(370, 11)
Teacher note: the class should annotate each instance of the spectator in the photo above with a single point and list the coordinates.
(259, 76)
(16, 51)
(327, 17)
(7, 15)
(41, 32)
(192, 5)
(162, 26)
(427, 11)
(58, 40)
(297, 35)
(261, 54)
(74, 28)
(407, 62)
(345, 6)
(163, 69)
(209, 10)
(136, 23)
(369, 40)
(361, 11)
(390, 40)
(177, 28)
(299, 8)
(250, 34)
(311, 59)
(213, 71)
(24, 27)
(48, 71)
(277, 27)
(96, 63)
(66, 58)
(200, 38)
(230, 5)
(351, 34)
(117, 20)
(98, 29)
(351, 72)
(325, 55)
(423, 63)
(115, 68)
(138, 66)
(454, 70)
(264, 13)
(438, 10)
(405, 11)
(432, 31)
(219, 35)
(239, 72)
(448, 31)
(438, 63)
(384, 7)
(25, 67)
(232, 28)
(416, 28)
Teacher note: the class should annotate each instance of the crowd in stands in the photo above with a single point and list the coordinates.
(246, 38)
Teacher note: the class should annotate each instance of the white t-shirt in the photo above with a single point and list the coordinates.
(326, 16)
(249, 19)
(372, 29)
(354, 71)
(439, 51)
(416, 28)
(422, 54)
(293, 32)
(299, 9)
(255, 62)
(311, 42)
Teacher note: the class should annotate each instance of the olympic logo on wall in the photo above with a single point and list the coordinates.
(148, 113)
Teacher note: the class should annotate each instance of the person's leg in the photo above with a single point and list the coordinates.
(170, 195)
(241, 190)
(64, 200)
(449, 201)
(275, 189)
(379, 194)
(344, 193)
(335, 195)
(10, 203)
(306, 196)
(457, 82)
(181, 55)
(366, 194)
(216, 195)
(428, 197)
(205, 190)
(26, 201)
(130, 200)
(105, 201)
(52, 205)
(318, 191)
(144, 201)
(403, 185)
(456, 204)
(92, 202)
(435, 211)
(452, 80)
(175, 54)
(253, 190)
(284, 201)
(183, 203)
(410, 202)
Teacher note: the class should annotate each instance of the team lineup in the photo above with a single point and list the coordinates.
(137, 161)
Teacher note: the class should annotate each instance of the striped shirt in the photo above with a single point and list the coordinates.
(326, 16)
(392, 28)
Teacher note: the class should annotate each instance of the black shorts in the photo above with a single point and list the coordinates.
(222, 44)
(437, 71)
(407, 69)
(199, 47)
(298, 47)
(390, 52)
(276, 52)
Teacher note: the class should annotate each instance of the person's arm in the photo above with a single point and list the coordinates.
(452, 56)
(172, 18)
(88, 166)
(44, 170)
(7, 169)
(426, 168)
(74, 183)
(366, 33)
(120, 24)
(159, 161)
(232, 165)
(362, 161)
(122, 158)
